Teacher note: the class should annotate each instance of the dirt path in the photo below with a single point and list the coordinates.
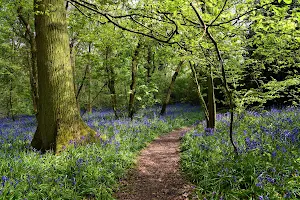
(157, 176)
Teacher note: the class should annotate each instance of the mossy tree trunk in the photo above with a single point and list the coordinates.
(58, 119)
(166, 102)
(134, 64)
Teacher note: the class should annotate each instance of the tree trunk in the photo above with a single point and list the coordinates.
(211, 101)
(33, 59)
(89, 105)
(133, 80)
(149, 65)
(73, 63)
(11, 112)
(202, 101)
(166, 102)
(34, 74)
(58, 119)
(111, 82)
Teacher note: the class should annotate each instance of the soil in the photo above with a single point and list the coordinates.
(157, 175)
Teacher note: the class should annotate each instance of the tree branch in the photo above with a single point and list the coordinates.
(228, 92)
(110, 17)
(245, 13)
(219, 13)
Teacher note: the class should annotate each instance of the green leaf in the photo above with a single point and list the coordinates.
(287, 1)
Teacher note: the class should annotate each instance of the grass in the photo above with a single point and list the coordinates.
(81, 172)
(268, 163)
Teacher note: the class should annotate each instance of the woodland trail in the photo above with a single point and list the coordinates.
(157, 175)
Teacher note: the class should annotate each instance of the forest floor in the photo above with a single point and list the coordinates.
(157, 175)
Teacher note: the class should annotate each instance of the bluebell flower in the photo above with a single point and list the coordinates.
(4, 178)
(270, 180)
(73, 181)
(209, 131)
(251, 144)
(283, 149)
(259, 184)
(261, 197)
(274, 154)
(79, 161)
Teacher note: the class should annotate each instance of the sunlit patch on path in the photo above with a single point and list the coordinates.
(157, 175)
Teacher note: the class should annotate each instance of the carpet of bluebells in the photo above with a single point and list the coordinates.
(268, 161)
(81, 172)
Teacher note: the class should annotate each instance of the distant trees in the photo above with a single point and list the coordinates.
(240, 55)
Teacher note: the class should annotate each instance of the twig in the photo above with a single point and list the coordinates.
(219, 13)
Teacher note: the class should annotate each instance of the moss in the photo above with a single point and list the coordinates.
(78, 133)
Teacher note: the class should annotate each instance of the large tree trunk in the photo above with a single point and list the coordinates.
(166, 102)
(58, 119)
(133, 80)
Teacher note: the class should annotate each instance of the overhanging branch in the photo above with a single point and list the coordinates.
(110, 18)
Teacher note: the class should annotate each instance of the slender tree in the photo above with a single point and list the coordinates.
(211, 101)
(33, 60)
(89, 104)
(111, 80)
(202, 101)
(134, 64)
(58, 119)
(166, 102)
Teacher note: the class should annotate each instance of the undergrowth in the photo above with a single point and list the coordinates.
(268, 163)
(80, 172)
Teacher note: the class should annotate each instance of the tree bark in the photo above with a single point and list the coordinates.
(133, 81)
(33, 58)
(202, 101)
(149, 65)
(11, 111)
(58, 119)
(166, 102)
(89, 105)
(73, 62)
(226, 87)
(211, 101)
(111, 82)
